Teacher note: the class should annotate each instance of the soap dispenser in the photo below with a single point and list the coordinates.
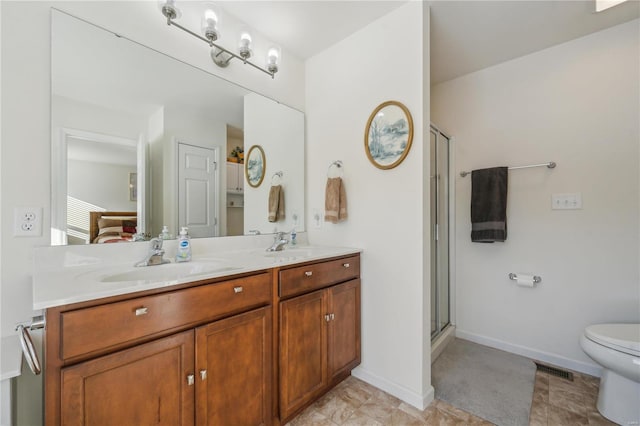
(184, 246)
(164, 235)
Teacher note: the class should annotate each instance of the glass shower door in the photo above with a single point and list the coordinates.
(439, 185)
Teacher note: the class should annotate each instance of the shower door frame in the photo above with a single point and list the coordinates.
(440, 327)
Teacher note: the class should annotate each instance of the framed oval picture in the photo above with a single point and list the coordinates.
(388, 135)
(255, 165)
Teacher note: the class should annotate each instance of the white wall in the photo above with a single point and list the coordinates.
(25, 137)
(344, 85)
(283, 148)
(105, 185)
(577, 104)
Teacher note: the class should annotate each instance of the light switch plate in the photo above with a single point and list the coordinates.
(570, 201)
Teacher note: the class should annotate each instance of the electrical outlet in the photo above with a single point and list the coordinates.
(27, 221)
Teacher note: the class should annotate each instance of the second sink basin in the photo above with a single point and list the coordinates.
(169, 272)
(295, 253)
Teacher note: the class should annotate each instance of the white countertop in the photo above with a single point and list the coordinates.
(65, 275)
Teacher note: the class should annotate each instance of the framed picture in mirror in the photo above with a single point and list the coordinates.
(255, 166)
(388, 135)
(133, 186)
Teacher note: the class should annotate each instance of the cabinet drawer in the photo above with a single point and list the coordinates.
(95, 329)
(307, 278)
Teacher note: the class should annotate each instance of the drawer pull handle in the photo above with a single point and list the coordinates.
(308, 273)
(238, 289)
(203, 374)
(142, 311)
(346, 265)
(191, 379)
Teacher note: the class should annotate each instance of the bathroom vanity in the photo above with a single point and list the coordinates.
(252, 346)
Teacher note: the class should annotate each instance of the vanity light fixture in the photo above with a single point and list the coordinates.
(210, 30)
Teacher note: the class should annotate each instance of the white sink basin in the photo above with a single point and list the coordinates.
(168, 272)
(294, 252)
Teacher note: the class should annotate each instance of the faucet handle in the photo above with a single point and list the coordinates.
(156, 244)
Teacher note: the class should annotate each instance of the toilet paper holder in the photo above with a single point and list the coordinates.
(536, 278)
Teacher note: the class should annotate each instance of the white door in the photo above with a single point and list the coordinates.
(197, 190)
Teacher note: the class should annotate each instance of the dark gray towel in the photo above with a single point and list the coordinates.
(489, 205)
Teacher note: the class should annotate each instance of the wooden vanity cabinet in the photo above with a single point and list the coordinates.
(212, 367)
(255, 349)
(235, 356)
(143, 385)
(319, 333)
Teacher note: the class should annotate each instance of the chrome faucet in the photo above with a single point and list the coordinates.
(278, 242)
(155, 255)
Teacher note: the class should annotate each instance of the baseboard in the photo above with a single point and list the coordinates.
(419, 401)
(440, 343)
(549, 358)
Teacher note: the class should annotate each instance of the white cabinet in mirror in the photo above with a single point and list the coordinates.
(139, 133)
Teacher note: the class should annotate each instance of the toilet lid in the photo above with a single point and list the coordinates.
(621, 337)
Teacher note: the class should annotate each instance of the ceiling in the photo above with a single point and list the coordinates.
(466, 36)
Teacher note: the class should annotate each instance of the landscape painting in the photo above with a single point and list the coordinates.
(388, 135)
(255, 165)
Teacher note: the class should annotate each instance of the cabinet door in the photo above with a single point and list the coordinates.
(344, 327)
(232, 176)
(233, 370)
(303, 361)
(144, 385)
(240, 177)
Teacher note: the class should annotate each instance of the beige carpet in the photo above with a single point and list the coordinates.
(492, 384)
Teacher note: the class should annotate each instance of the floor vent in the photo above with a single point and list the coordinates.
(554, 371)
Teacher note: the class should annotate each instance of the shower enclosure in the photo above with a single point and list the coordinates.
(440, 231)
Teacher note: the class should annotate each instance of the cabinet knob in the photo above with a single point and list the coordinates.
(191, 379)
(238, 289)
(327, 317)
(142, 311)
(308, 273)
(346, 265)
(332, 316)
(203, 374)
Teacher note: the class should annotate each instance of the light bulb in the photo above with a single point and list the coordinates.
(210, 22)
(273, 59)
(244, 45)
(169, 9)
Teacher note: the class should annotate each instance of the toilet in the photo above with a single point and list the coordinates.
(616, 347)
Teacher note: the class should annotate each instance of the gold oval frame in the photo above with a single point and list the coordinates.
(367, 131)
(246, 165)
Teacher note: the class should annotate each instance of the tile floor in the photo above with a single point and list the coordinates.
(353, 402)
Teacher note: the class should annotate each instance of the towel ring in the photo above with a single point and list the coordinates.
(335, 165)
(278, 175)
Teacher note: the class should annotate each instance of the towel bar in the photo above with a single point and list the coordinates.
(28, 350)
(550, 165)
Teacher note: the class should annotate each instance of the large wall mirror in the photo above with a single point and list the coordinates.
(140, 136)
